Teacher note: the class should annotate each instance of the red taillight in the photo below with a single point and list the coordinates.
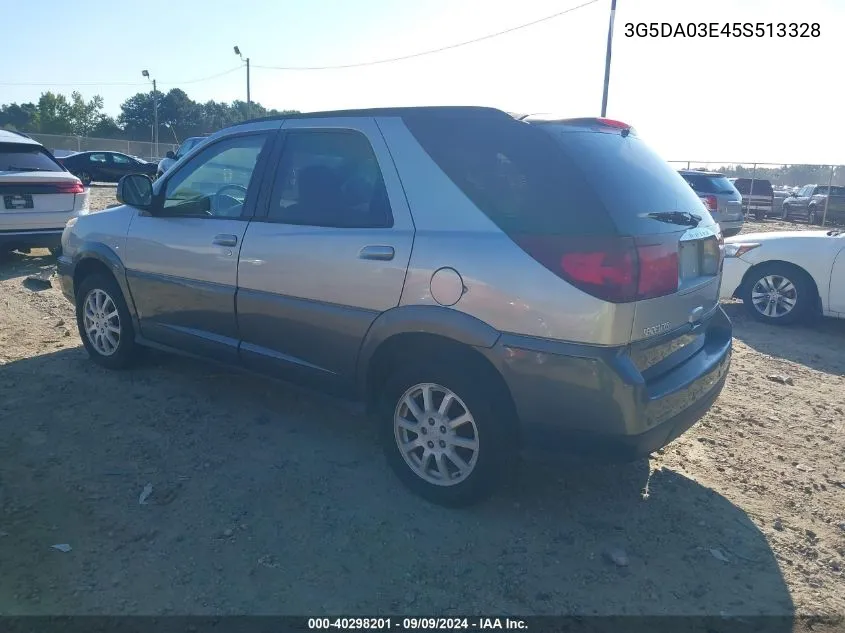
(70, 187)
(710, 202)
(616, 269)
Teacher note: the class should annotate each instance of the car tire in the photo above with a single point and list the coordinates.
(759, 215)
(86, 178)
(100, 308)
(813, 216)
(794, 299)
(472, 455)
(731, 232)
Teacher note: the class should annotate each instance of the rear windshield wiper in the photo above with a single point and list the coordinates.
(11, 168)
(684, 218)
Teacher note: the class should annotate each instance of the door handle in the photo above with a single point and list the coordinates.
(379, 253)
(225, 240)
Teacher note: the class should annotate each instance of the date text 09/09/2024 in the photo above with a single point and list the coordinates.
(418, 624)
(728, 29)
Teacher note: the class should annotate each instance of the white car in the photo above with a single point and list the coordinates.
(785, 276)
(37, 195)
(168, 161)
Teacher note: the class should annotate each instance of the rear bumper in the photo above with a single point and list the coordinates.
(592, 400)
(38, 238)
(732, 226)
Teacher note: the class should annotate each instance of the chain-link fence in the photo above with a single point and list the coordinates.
(793, 192)
(62, 145)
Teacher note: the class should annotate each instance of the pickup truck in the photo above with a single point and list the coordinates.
(809, 203)
(757, 196)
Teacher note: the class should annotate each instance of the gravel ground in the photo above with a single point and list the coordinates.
(269, 500)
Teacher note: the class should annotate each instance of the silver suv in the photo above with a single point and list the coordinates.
(720, 197)
(482, 283)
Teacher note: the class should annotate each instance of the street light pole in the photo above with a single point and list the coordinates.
(607, 58)
(248, 100)
(146, 74)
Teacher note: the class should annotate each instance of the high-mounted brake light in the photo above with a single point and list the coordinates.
(614, 123)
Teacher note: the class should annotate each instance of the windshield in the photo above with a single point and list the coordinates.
(20, 157)
(709, 184)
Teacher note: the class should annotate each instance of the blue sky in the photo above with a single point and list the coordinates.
(694, 99)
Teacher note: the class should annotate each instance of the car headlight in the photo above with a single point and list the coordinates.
(738, 249)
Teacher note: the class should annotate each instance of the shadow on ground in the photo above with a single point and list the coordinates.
(268, 500)
(16, 264)
(818, 344)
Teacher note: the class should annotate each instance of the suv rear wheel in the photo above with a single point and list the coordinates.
(104, 322)
(443, 432)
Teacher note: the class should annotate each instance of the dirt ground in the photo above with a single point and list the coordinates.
(269, 500)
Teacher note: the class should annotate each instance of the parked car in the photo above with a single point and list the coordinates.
(481, 284)
(760, 201)
(809, 204)
(105, 166)
(38, 195)
(170, 158)
(719, 196)
(785, 276)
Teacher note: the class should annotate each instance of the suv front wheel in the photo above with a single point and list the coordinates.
(104, 322)
(443, 433)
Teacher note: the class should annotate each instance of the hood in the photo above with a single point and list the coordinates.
(774, 236)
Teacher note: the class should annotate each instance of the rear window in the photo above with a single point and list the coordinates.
(761, 187)
(20, 157)
(542, 179)
(631, 179)
(709, 184)
(514, 173)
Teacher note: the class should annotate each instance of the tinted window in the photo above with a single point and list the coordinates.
(630, 178)
(214, 183)
(709, 184)
(120, 159)
(97, 158)
(20, 157)
(514, 173)
(834, 191)
(761, 187)
(329, 178)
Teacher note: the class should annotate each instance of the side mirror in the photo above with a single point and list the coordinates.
(136, 190)
(170, 154)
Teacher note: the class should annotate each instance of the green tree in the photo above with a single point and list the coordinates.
(83, 116)
(23, 117)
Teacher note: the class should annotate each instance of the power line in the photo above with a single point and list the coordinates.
(121, 83)
(432, 51)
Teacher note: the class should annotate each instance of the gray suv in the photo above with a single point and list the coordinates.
(482, 284)
(720, 197)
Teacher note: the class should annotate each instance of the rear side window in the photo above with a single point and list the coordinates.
(761, 187)
(709, 184)
(329, 178)
(20, 157)
(514, 173)
(834, 191)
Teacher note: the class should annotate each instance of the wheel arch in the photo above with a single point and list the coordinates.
(93, 257)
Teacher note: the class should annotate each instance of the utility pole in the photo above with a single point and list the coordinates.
(248, 100)
(607, 58)
(146, 74)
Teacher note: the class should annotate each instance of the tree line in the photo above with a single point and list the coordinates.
(179, 116)
(787, 175)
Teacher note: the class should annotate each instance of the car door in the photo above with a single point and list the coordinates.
(803, 201)
(182, 260)
(98, 166)
(326, 256)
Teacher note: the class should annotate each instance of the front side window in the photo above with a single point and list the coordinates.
(120, 159)
(329, 178)
(214, 183)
